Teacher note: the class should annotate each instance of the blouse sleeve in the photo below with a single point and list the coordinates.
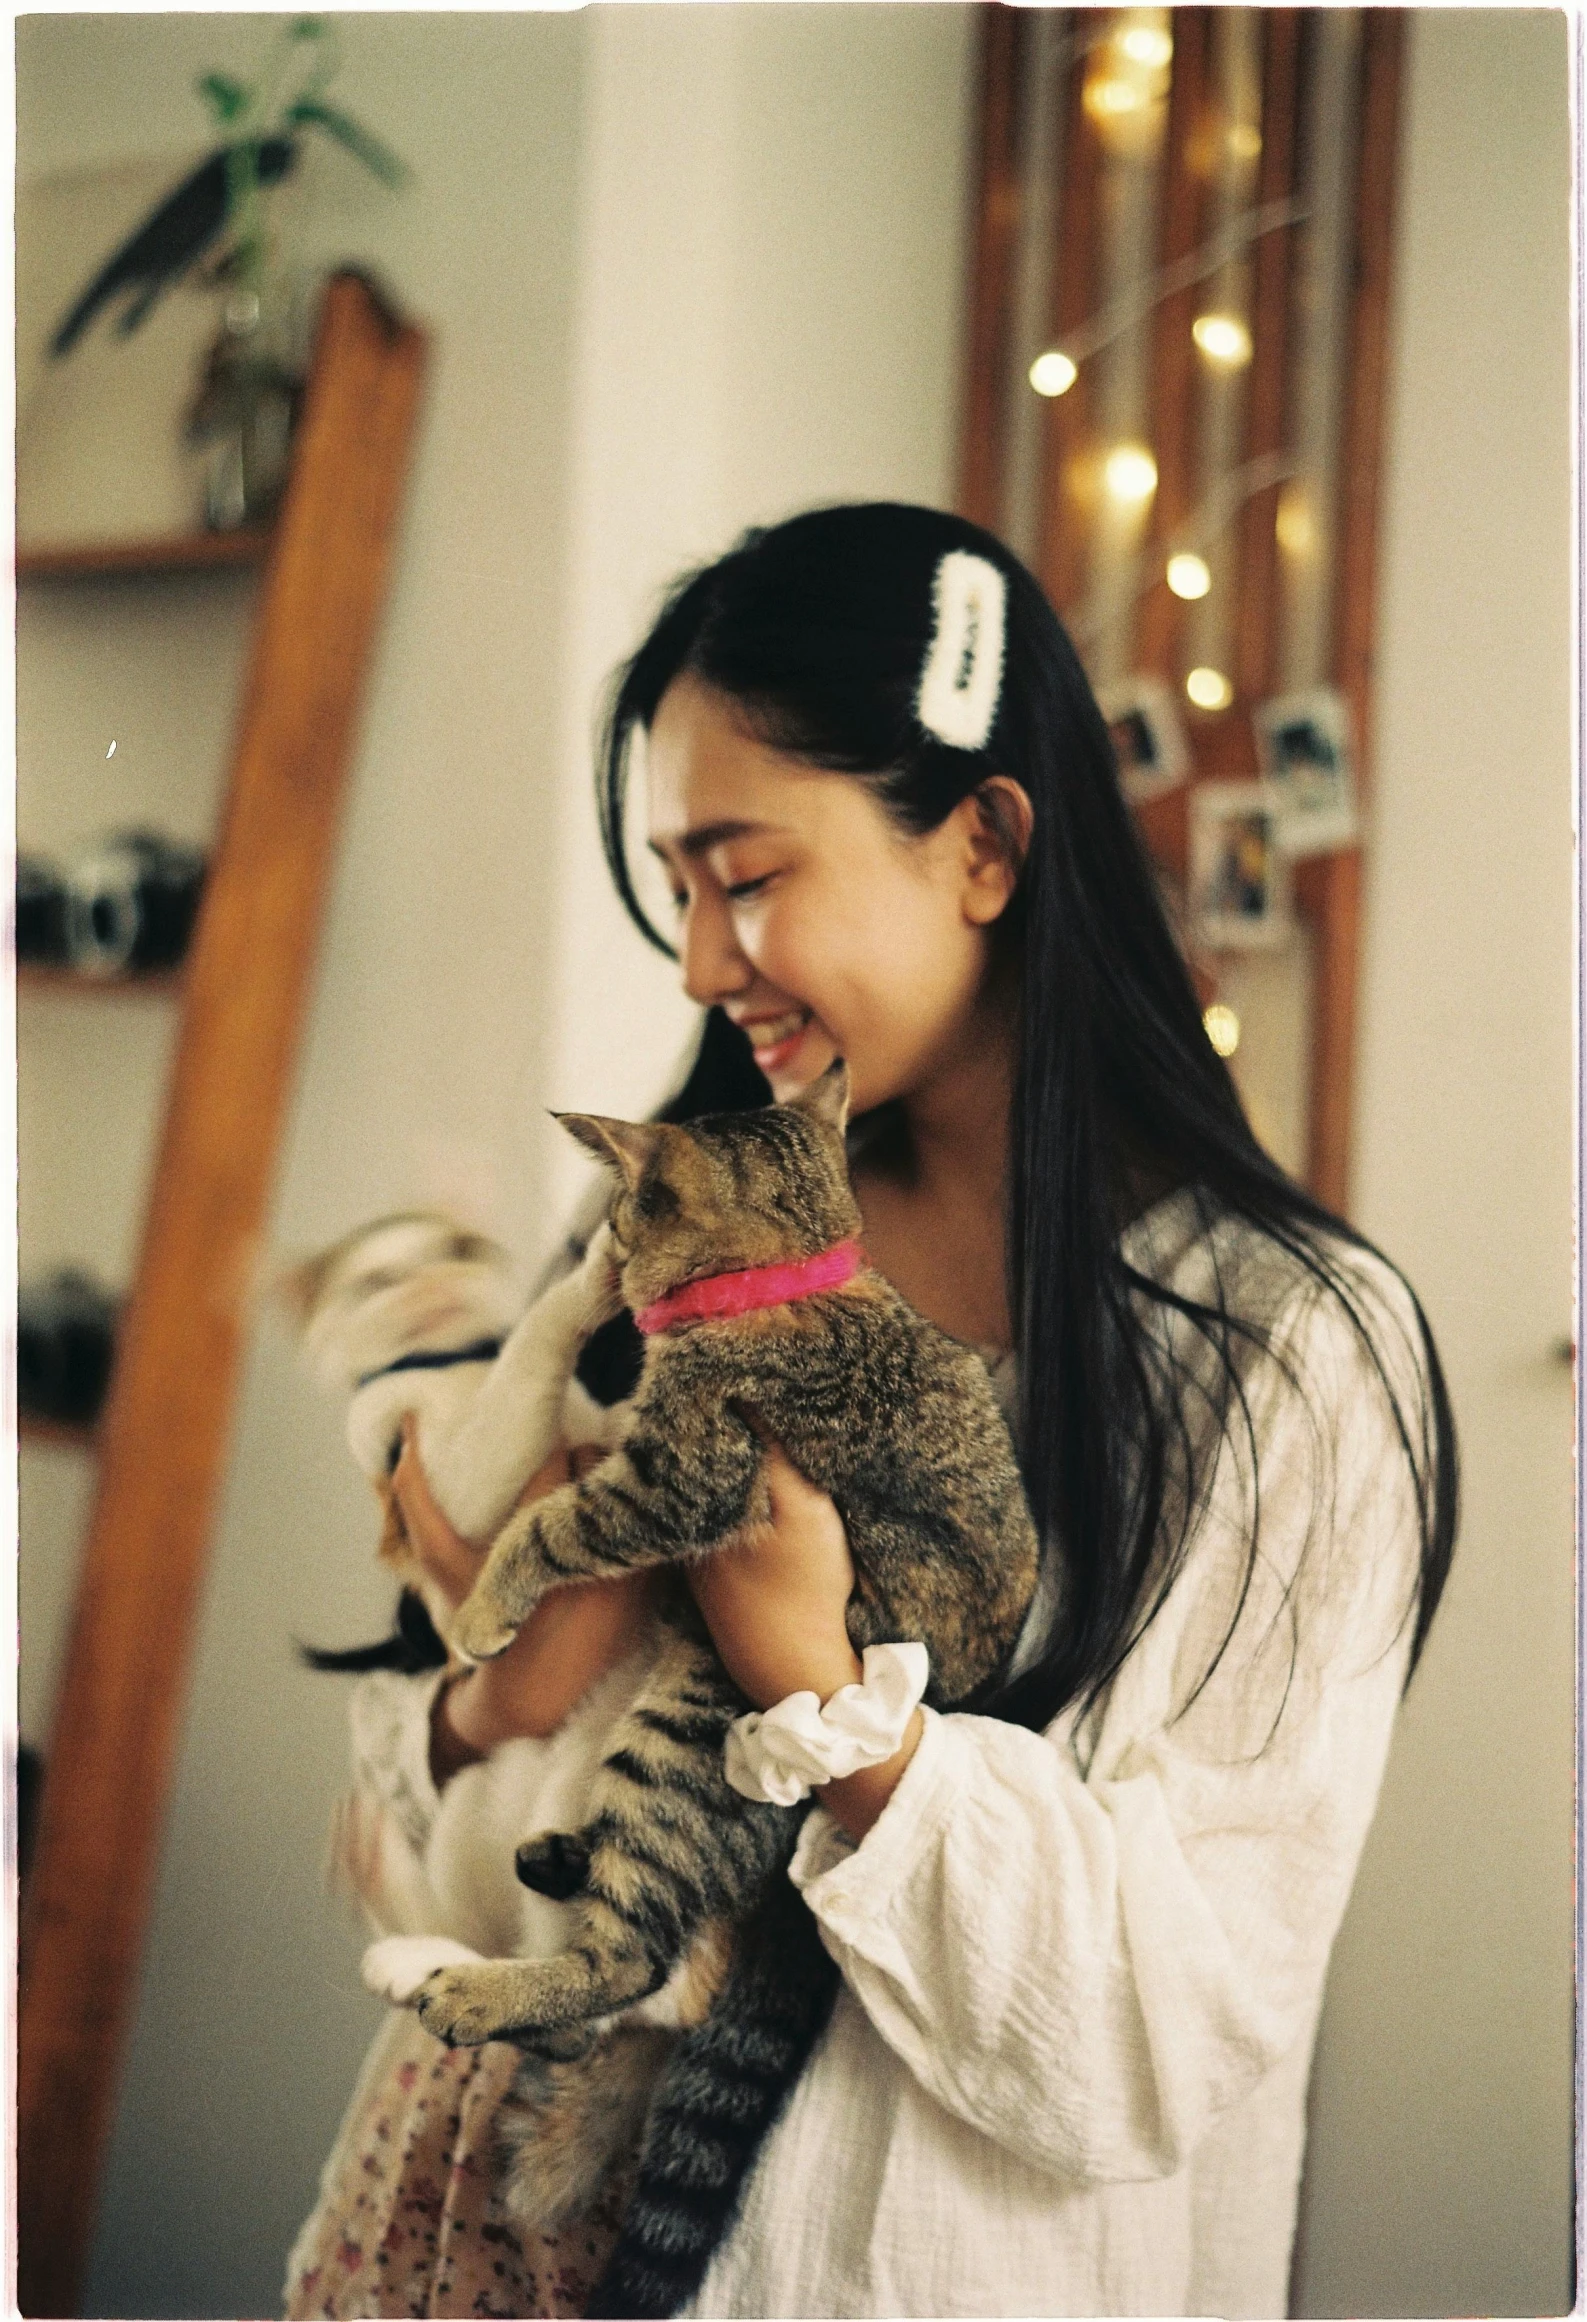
(389, 1716)
(1090, 1953)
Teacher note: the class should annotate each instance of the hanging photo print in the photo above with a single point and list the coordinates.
(1303, 749)
(1147, 735)
(1239, 879)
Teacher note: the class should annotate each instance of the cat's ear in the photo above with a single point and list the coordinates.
(626, 1146)
(299, 1288)
(827, 1099)
(474, 1248)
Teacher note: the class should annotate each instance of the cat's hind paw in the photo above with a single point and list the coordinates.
(555, 1863)
(475, 2001)
(397, 1965)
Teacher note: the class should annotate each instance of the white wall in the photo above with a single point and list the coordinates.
(1440, 2172)
(769, 299)
(687, 267)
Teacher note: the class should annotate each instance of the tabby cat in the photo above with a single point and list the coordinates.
(899, 1423)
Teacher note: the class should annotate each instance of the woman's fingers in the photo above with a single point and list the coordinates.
(446, 1557)
(774, 1599)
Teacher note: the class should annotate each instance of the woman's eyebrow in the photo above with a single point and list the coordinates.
(711, 834)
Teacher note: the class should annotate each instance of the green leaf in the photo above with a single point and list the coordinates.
(225, 97)
(311, 112)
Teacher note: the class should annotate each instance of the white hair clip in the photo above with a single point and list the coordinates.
(963, 673)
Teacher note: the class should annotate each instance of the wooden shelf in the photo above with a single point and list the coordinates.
(33, 977)
(62, 1434)
(111, 559)
(159, 1461)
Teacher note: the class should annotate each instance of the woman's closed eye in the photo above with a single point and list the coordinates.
(739, 891)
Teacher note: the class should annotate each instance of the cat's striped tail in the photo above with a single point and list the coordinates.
(718, 2098)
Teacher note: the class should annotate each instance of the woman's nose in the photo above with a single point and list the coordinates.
(713, 966)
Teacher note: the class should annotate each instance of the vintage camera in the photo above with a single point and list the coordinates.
(66, 1343)
(130, 904)
(41, 912)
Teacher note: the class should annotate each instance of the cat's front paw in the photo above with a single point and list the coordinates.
(479, 1630)
(467, 2005)
(506, 1592)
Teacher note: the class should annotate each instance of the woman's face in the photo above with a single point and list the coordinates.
(810, 917)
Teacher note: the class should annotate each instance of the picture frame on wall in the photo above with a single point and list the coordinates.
(1148, 736)
(1303, 750)
(1240, 898)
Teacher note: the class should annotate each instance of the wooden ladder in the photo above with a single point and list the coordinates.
(166, 1429)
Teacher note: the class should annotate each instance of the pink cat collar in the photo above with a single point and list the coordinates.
(717, 1296)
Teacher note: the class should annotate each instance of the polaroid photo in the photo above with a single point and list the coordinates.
(1239, 874)
(1148, 736)
(1303, 750)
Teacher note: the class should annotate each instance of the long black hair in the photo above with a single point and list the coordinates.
(816, 630)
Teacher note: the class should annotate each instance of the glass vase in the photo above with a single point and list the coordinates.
(244, 413)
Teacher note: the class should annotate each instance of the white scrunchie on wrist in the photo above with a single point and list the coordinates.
(778, 1755)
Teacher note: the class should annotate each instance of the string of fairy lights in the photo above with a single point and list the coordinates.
(1129, 76)
(1126, 58)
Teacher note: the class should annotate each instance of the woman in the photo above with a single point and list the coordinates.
(1083, 1936)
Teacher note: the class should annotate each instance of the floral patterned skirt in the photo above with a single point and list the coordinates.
(410, 2221)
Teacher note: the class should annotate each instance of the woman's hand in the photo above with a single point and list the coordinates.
(569, 1641)
(774, 1601)
(447, 1559)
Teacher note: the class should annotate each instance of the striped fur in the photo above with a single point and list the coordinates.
(899, 1423)
(719, 2094)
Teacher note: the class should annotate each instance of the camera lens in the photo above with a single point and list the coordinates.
(41, 912)
(131, 903)
(65, 1347)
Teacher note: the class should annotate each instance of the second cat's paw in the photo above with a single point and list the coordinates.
(397, 1965)
(599, 1279)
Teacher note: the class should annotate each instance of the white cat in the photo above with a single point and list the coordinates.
(416, 1314)
(413, 1313)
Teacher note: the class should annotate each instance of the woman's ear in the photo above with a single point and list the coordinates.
(998, 819)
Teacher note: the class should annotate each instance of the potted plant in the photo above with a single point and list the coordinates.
(218, 225)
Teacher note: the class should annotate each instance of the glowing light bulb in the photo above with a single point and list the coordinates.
(1189, 576)
(1245, 141)
(1222, 1027)
(1292, 525)
(1130, 473)
(1222, 338)
(1209, 689)
(1147, 44)
(1053, 373)
(1106, 100)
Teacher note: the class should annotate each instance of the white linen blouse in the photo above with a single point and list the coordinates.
(1066, 2070)
(1082, 1970)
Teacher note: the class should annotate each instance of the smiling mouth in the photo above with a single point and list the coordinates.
(773, 1038)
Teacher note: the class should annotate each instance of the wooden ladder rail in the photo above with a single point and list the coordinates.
(167, 1424)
